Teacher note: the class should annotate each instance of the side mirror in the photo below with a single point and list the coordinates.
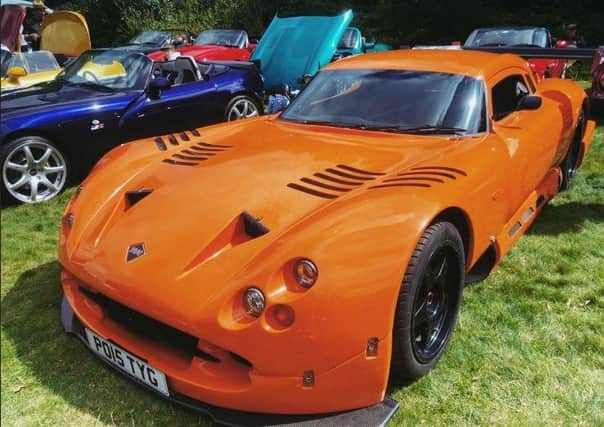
(529, 102)
(157, 85)
(15, 73)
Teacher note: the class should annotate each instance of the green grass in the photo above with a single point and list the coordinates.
(529, 348)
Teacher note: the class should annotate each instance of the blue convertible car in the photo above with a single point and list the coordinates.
(54, 132)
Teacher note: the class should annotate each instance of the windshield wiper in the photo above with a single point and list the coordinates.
(423, 130)
(492, 45)
(88, 85)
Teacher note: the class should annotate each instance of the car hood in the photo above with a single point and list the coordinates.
(190, 217)
(206, 51)
(55, 95)
(294, 47)
(65, 33)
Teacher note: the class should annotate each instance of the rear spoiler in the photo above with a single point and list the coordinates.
(570, 53)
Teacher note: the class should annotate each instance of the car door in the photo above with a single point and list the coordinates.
(182, 106)
(529, 137)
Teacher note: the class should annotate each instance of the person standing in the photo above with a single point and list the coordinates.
(32, 27)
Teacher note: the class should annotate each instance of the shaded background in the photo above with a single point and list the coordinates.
(401, 22)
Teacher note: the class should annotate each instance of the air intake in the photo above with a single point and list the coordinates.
(195, 153)
(133, 197)
(333, 182)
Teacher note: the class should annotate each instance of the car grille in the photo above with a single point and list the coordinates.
(148, 328)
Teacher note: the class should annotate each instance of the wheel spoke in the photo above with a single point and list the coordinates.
(24, 180)
(439, 273)
(48, 184)
(29, 156)
(34, 189)
(421, 315)
(16, 166)
(42, 160)
(54, 169)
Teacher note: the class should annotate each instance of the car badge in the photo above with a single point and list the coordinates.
(96, 125)
(135, 251)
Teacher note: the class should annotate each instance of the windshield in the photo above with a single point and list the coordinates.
(349, 39)
(508, 37)
(33, 62)
(158, 38)
(392, 100)
(110, 70)
(230, 38)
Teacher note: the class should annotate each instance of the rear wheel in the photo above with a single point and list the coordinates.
(570, 164)
(33, 170)
(428, 302)
(242, 107)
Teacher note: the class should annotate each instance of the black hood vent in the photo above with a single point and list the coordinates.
(195, 153)
(334, 182)
(253, 225)
(421, 177)
(133, 197)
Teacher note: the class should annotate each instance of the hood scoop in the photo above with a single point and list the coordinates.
(242, 229)
(195, 153)
(421, 177)
(133, 197)
(333, 182)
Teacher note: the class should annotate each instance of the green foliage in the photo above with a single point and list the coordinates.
(397, 22)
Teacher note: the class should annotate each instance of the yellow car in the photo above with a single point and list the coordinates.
(64, 35)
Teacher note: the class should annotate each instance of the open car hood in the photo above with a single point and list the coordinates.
(65, 33)
(294, 47)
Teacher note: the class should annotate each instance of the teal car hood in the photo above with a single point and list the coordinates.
(294, 47)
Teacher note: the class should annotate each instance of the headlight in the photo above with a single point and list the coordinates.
(305, 272)
(253, 302)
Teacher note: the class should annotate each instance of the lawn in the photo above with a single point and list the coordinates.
(529, 348)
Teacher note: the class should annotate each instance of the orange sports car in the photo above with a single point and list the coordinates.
(293, 263)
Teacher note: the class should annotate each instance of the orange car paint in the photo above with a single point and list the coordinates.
(391, 188)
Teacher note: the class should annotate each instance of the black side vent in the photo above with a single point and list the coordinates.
(196, 153)
(253, 225)
(184, 136)
(161, 145)
(334, 182)
(421, 177)
(172, 140)
(133, 197)
(195, 132)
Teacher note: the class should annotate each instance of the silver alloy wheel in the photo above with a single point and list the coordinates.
(34, 172)
(244, 108)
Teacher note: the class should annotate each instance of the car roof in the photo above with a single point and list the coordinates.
(464, 62)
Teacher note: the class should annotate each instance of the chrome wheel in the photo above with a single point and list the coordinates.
(34, 172)
(243, 108)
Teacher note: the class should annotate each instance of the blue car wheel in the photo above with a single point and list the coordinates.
(242, 107)
(33, 170)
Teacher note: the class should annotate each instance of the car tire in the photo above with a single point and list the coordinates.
(242, 107)
(570, 164)
(428, 303)
(34, 170)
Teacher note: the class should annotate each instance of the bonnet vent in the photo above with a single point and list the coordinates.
(421, 177)
(334, 182)
(195, 154)
(133, 197)
(174, 139)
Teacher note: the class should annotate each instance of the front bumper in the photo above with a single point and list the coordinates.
(375, 415)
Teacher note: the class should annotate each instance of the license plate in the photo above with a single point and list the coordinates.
(128, 362)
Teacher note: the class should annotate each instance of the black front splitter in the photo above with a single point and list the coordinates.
(379, 414)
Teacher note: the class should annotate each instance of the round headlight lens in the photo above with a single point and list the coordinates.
(253, 302)
(305, 272)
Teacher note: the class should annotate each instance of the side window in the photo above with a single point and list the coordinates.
(506, 95)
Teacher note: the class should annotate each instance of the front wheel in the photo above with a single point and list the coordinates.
(428, 303)
(33, 170)
(242, 107)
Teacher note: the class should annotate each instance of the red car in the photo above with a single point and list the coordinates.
(221, 45)
(597, 84)
(520, 37)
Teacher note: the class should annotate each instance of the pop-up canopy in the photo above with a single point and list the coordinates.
(65, 33)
